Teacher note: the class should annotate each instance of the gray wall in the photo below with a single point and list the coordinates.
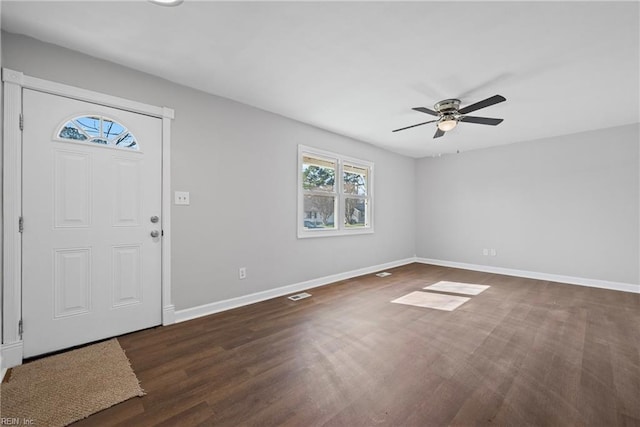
(239, 164)
(567, 205)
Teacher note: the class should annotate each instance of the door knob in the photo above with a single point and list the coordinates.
(155, 233)
(154, 219)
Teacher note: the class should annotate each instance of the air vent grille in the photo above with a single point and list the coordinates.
(299, 296)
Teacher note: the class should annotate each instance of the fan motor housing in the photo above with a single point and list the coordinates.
(447, 106)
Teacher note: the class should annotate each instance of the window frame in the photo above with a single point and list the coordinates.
(340, 195)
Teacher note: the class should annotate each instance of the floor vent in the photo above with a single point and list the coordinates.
(299, 296)
(383, 274)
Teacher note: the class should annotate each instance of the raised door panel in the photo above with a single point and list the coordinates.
(127, 275)
(127, 192)
(72, 282)
(72, 189)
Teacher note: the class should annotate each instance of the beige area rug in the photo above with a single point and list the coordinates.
(458, 288)
(61, 389)
(430, 300)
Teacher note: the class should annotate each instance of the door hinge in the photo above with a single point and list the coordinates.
(21, 122)
(20, 328)
(20, 225)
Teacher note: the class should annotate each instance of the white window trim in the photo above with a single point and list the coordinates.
(340, 229)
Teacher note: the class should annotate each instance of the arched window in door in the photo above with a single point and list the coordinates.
(98, 130)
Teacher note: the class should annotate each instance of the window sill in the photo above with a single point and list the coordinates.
(306, 234)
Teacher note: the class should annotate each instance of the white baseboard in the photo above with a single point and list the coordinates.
(168, 315)
(216, 307)
(593, 283)
(11, 355)
(3, 372)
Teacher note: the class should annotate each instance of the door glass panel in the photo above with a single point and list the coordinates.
(98, 130)
(89, 124)
(111, 128)
(127, 141)
(70, 131)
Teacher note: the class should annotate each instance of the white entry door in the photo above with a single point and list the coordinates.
(92, 178)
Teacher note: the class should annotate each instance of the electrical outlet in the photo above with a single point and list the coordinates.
(242, 273)
(493, 252)
(485, 252)
(181, 198)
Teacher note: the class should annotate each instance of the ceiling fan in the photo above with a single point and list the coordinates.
(449, 114)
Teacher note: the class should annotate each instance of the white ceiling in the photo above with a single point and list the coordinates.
(357, 68)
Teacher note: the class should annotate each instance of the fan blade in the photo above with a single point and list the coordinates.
(426, 110)
(412, 126)
(438, 133)
(481, 120)
(482, 104)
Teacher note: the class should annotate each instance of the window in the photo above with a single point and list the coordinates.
(98, 130)
(335, 194)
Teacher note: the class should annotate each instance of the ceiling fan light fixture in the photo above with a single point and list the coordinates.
(449, 113)
(447, 123)
(166, 2)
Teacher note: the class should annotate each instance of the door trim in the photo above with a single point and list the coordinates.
(14, 82)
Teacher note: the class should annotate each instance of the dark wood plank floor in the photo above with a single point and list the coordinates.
(524, 352)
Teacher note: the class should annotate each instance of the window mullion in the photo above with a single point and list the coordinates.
(319, 193)
(340, 202)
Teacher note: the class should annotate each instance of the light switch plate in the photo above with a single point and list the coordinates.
(181, 198)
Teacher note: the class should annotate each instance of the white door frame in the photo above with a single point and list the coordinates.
(14, 82)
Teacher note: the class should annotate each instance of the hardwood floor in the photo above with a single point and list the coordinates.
(523, 352)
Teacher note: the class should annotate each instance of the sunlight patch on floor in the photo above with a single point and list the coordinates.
(457, 288)
(432, 300)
